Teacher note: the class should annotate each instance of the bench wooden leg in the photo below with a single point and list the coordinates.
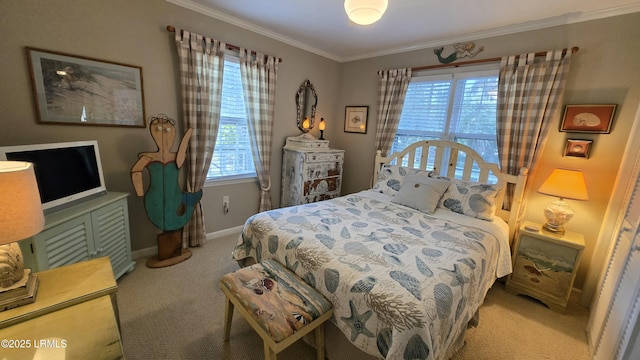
(269, 354)
(228, 316)
(319, 337)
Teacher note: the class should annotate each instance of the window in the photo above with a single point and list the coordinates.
(458, 107)
(232, 154)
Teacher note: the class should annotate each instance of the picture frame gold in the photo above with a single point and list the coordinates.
(588, 118)
(355, 119)
(76, 90)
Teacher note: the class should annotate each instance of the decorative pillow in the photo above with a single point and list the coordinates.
(421, 193)
(471, 198)
(391, 177)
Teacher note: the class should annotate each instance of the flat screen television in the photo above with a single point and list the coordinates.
(66, 173)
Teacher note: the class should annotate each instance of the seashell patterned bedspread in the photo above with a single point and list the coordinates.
(403, 284)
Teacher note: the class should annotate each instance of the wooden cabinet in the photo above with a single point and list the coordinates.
(545, 264)
(75, 316)
(311, 171)
(94, 228)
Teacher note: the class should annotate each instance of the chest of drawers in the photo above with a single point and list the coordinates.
(310, 174)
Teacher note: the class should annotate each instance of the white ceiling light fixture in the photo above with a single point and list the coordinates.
(365, 12)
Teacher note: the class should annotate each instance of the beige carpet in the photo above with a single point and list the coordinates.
(177, 313)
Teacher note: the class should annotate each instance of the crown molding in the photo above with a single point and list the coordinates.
(202, 9)
(566, 19)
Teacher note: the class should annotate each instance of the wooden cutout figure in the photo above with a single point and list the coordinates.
(168, 208)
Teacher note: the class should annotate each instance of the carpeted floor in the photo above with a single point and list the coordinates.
(177, 313)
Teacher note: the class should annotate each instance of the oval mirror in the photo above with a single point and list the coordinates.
(306, 101)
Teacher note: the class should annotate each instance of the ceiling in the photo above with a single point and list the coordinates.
(322, 27)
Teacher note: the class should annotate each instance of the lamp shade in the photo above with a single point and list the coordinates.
(322, 125)
(565, 184)
(365, 12)
(20, 207)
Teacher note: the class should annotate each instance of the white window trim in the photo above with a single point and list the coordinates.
(232, 180)
(237, 178)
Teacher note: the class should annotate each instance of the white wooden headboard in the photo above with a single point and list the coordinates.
(458, 161)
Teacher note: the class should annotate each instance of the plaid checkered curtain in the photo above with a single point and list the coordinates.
(530, 92)
(392, 88)
(201, 68)
(259, 74)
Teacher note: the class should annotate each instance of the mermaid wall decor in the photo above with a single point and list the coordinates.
(460, 50)
(167, 206)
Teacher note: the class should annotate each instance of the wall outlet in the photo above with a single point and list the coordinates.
(225, 204)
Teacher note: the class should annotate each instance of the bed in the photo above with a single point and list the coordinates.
(407, 263)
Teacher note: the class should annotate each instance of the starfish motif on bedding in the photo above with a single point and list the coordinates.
(458, 278)
(357, 322)
(373, 237)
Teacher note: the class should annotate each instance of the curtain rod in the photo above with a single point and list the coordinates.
(229, 46)
(480, 61)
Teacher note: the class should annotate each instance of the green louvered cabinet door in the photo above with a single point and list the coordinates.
(94, 228)
(110, 226)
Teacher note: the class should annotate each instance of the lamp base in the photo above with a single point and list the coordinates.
(20, 294)
(557, 214)
(556, 229)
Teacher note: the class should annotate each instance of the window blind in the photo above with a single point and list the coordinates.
(232, 152)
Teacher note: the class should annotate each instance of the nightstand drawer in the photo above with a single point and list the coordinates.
(545, 265)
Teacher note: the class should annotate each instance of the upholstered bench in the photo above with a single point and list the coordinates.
(279, 306)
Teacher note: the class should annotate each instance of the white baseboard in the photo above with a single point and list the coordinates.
(226, 232)
(144, 253)
(150, 251)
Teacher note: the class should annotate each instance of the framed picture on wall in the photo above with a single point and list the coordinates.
(578, 148)
(76, 90)
(355, 119)
(588, 118)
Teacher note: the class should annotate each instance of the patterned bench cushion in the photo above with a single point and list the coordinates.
(278, 300)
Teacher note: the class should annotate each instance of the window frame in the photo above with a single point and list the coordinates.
(236, 178)
(448, 132)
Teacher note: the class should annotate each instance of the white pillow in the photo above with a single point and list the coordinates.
(421, 193)
(391, 177)
(471, 198)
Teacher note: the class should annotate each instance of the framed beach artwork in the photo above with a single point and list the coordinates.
(355, 119)
(77, 90)
(588, 118)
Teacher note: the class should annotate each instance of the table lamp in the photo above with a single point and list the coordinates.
(321, 127)
(564, 184)
(20, 217)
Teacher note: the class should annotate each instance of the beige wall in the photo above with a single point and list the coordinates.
(134, 32)
(604, 71)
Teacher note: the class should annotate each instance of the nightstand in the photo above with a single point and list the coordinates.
(545, 264)
(75, 315)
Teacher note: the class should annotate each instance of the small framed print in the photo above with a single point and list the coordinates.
(588, 118)
(578, 148)
(355, 119)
